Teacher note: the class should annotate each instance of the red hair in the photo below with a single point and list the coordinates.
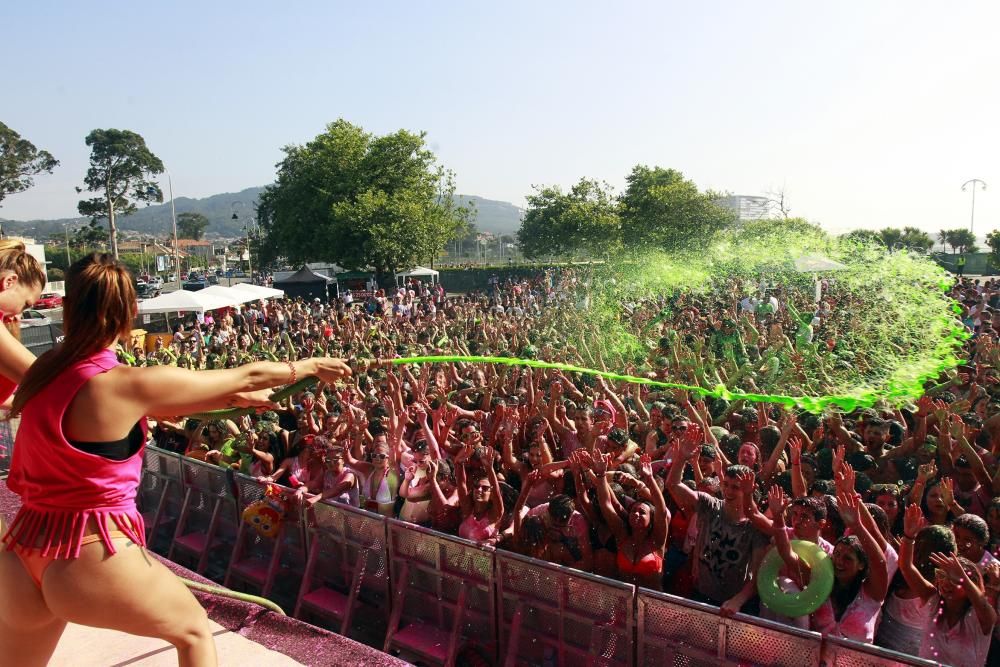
(99, 307)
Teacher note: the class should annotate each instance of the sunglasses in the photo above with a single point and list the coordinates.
(380, 456)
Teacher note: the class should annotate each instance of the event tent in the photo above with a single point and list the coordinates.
(237, 296)
(417, 272)
(305, 283)
(259, 291)
(182, 300)
(816, 264)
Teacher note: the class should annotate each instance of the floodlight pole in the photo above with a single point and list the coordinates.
(982, 186)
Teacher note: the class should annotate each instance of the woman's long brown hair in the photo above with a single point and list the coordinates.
(99, 306)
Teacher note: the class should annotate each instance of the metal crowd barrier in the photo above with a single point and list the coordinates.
(558, 615)
(8, 430)
(444, 594)
(441, 594)
(677, 631)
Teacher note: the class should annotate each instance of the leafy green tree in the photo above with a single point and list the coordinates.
(19, 161)
(916, 239)
(191, 226)
(566, 223)
(360, 200)
(92, 235)
(121, 167)
(661, 208)
(890, 237)
(993, 241)
(961, 240)
(865, 236)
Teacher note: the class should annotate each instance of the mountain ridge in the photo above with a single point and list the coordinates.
(495, 216)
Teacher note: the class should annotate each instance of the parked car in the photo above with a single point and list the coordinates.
(239, 274)
(213, 279)
(184, 275)
(48, 300)
(172, 278)
(218, 273)
(146, 291)
(156, 282)
(195, 285)
(34, 318)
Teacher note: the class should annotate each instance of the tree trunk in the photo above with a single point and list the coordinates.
(112, 229)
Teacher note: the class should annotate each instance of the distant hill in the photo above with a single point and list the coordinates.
(498, 217)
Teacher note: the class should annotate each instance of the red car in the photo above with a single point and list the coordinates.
(48, 300)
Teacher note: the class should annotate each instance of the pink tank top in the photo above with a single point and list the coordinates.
(857, 622)
(477, 530)
(62, 487)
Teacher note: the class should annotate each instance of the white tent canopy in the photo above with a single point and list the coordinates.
(237, 296)
(816, 264)
(259, 291)
(417, 272)
(182, 300)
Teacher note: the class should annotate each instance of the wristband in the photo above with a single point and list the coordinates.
(907, 537)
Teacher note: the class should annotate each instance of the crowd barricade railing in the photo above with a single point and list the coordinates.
(347, 567)
(258, 560)
(549, 614)
(674, 630)
(443, 595)
(8, 432)
(847, 653)
(161, 494)
(207, 523)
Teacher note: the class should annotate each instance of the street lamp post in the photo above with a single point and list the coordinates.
(982, 186)
(66, 229)
(173, 218)
(247, 228)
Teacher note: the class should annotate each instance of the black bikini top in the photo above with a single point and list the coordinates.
(119, 450)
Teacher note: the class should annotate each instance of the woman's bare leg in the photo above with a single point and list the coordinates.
(131, 592)
(29, 632)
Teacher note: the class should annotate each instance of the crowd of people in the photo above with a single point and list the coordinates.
(663, 489)
(668, 490)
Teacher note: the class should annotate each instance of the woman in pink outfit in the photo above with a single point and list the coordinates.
(78, 538)
(482, 504)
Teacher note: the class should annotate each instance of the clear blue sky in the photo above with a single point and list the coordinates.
(867, 114)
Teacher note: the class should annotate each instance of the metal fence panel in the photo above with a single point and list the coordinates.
(552, 613)
(348, 533)
(40, 339)
(8, 432)
(847, 653)
(440, 571)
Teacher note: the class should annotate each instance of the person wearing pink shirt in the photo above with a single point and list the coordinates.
(77, 465)
(961, 617)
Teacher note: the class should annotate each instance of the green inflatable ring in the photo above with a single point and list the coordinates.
(812, 596)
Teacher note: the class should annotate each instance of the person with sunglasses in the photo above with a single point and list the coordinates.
(380, 487)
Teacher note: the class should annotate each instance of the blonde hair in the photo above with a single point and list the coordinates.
(14, 257)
